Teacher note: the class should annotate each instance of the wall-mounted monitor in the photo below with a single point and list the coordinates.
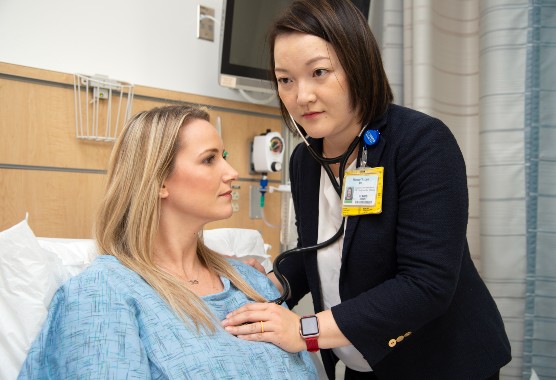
(244, 54)
(244, 50)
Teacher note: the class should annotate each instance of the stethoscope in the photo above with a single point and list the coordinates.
(370, 137)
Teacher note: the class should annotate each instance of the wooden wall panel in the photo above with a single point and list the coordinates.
(46, 171)
(37, 127)
(60, 204)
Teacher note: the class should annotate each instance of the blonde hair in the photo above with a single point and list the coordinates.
(128, 217)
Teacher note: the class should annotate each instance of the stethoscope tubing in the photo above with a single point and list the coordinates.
(284, 255)
(337, 183)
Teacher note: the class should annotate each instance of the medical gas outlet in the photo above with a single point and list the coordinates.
(268, 153)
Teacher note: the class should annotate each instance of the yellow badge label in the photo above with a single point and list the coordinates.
(362, 191)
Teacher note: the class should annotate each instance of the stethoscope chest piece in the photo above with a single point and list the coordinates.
(371, 137)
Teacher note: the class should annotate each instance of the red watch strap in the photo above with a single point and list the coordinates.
(312, 344)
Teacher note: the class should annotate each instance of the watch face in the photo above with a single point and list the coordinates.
(309, 326)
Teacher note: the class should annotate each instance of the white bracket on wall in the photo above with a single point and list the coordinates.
(102, 106)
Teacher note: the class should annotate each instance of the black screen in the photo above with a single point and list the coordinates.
(244, 45)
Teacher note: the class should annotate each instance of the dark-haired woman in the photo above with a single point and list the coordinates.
(397, 296)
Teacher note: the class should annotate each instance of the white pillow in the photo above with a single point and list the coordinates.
(75, 254)
(242, 243)
(29, 276)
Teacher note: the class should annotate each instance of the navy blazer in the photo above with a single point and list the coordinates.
(413, 302)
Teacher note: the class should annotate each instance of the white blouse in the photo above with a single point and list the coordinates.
(330, 261)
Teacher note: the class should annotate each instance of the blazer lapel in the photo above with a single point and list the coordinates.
(374, 155)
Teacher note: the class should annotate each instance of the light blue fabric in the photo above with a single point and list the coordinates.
(107, 323)
(539, 346)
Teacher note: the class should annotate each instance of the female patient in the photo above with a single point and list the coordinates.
(150, 306)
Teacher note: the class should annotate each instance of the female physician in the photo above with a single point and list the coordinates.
(397, 295)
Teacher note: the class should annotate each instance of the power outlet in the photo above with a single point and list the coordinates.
(205, 25)
(235, 195)
(235, 206)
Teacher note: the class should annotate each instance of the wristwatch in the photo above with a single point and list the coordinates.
(309, 330)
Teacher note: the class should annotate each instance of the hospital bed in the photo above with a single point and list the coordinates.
(32, 268)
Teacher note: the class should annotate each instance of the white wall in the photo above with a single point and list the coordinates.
(146, 42)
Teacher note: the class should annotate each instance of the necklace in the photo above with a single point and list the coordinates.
(184, 276)
(194, 281)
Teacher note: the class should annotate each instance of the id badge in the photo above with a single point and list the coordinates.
(362, 191)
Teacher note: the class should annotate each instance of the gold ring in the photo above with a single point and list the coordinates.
(262, 327)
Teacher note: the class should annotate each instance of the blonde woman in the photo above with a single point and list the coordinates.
(150, 305)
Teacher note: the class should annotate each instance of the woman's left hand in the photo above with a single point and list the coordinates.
(266, 322)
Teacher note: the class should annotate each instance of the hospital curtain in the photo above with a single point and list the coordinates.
(429, 49)
(487, 68)
(539, 352)
(503, 164)
(518, 174)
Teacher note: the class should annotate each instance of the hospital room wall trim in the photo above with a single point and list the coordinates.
(51, 168)
(230, 108)
(92, 171)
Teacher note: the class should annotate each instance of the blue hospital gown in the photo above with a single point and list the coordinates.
(108, 323)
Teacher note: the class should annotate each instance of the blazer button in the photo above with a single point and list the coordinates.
(400, 338)
(392, 342)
